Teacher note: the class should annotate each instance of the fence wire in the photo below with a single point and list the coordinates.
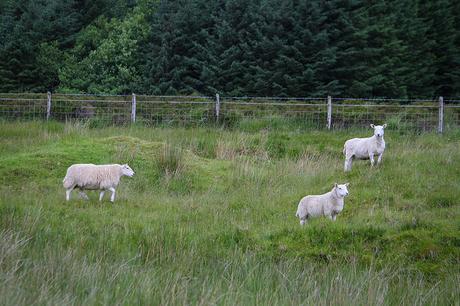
(23, 106)
(102, 109)
(306, 111)
(407, 114)
(168, 110)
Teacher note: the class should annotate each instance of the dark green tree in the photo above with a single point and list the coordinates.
(441, 36)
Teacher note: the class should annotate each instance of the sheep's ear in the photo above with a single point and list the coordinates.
(347, 184)
(385, 125)
(372, 125)
(335, 185)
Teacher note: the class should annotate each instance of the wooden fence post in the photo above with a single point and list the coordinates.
(441, 115)
(133, 108)
(217, 107)
(48, 107)
(329, 112)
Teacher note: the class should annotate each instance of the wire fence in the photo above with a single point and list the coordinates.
(316, 112)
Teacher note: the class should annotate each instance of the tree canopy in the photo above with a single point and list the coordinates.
(408, 48)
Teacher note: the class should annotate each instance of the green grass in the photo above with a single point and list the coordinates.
(209, 218)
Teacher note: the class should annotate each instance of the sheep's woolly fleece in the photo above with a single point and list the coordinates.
(329, 204)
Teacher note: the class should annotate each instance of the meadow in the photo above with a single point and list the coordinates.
(209, 218)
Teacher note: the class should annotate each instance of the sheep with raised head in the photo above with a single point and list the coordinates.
(95, 177)
(365, 148)
(329, 204)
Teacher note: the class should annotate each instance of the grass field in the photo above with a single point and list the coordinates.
(209, 218)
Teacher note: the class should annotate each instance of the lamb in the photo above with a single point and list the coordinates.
(329, 204)
(365, 148)
(95, 177)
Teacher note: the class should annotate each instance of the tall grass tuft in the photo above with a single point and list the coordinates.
(79, 127)
(170, 162)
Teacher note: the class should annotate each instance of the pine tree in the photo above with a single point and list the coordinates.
(455, 69)
(440, 16)
(356, 48)
(417, 61)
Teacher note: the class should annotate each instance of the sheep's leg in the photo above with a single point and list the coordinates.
(330, 217)
(371, 157)
(348, 162)
(67, 194)
(333, 217)
(112, 197)
(83, 195)
(68, 191)
(101, 195)
(379, 160)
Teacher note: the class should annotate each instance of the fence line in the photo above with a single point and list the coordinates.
(320, 112)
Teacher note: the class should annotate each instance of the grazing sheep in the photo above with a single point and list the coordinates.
(365, 148)
(329, 204)
(95, 177)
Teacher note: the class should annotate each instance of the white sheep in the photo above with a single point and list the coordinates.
(95, 177)
(365, 148)
(329, 204)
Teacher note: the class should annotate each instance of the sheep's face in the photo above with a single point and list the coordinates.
(126, 170)
(378, 130)
(341, 189)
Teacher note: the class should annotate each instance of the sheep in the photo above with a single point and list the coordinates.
(95, 177)
(329, 204)
(365, 148)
